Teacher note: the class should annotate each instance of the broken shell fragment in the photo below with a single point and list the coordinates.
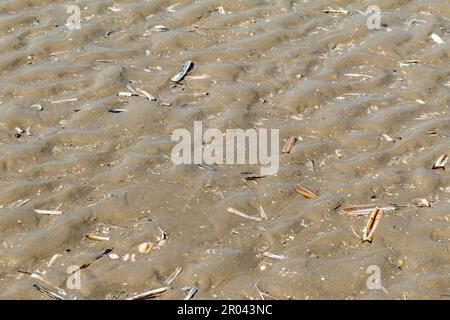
(145, 94)
(19, 132)
(159, 28)
(441, 162)
(145, 247)
(127, 94)
(149, 294)
(289, 144)
(113, 256)
(305, 192)
(270, 255)
(437, 39)
(243, 215)
(48, 212)
(182, 71)
(388, 138)
(423, 203)
(96, 237)
(115, 110)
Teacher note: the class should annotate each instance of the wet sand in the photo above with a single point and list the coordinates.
(323, 77)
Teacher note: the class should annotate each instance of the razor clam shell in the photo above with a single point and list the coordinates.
(191, 293)
(48, 292)
(114, 110)
(96, 238)
(149, 294)
(305, 192)
(372, 225)
(146, 95)
(243, 215)
(366, 209)
(173, 276)
(182, 71)
(270, 255)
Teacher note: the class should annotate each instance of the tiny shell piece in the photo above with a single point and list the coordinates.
(145, 247)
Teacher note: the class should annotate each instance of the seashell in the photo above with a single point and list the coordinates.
(305, 192)
(181, 72)
(159, 28)
(36, 107)
(145, 247)
(289, 144)
(96, 237)
(441, 162)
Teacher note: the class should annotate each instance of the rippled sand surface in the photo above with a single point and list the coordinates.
(323, 77)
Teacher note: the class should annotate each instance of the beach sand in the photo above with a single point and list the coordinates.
(321, 76)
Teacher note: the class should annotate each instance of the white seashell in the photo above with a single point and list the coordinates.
(437, 39)
(36, 107)
(113, 256)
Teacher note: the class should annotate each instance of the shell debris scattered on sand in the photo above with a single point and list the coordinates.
(353, 104)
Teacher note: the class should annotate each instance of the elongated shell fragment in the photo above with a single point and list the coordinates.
(372, 225)
(360, 210)
(159, 28)
(48, 212)
(94, 237)
(149, 294)
(309, 194)
(182, 71)
(289, 144)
